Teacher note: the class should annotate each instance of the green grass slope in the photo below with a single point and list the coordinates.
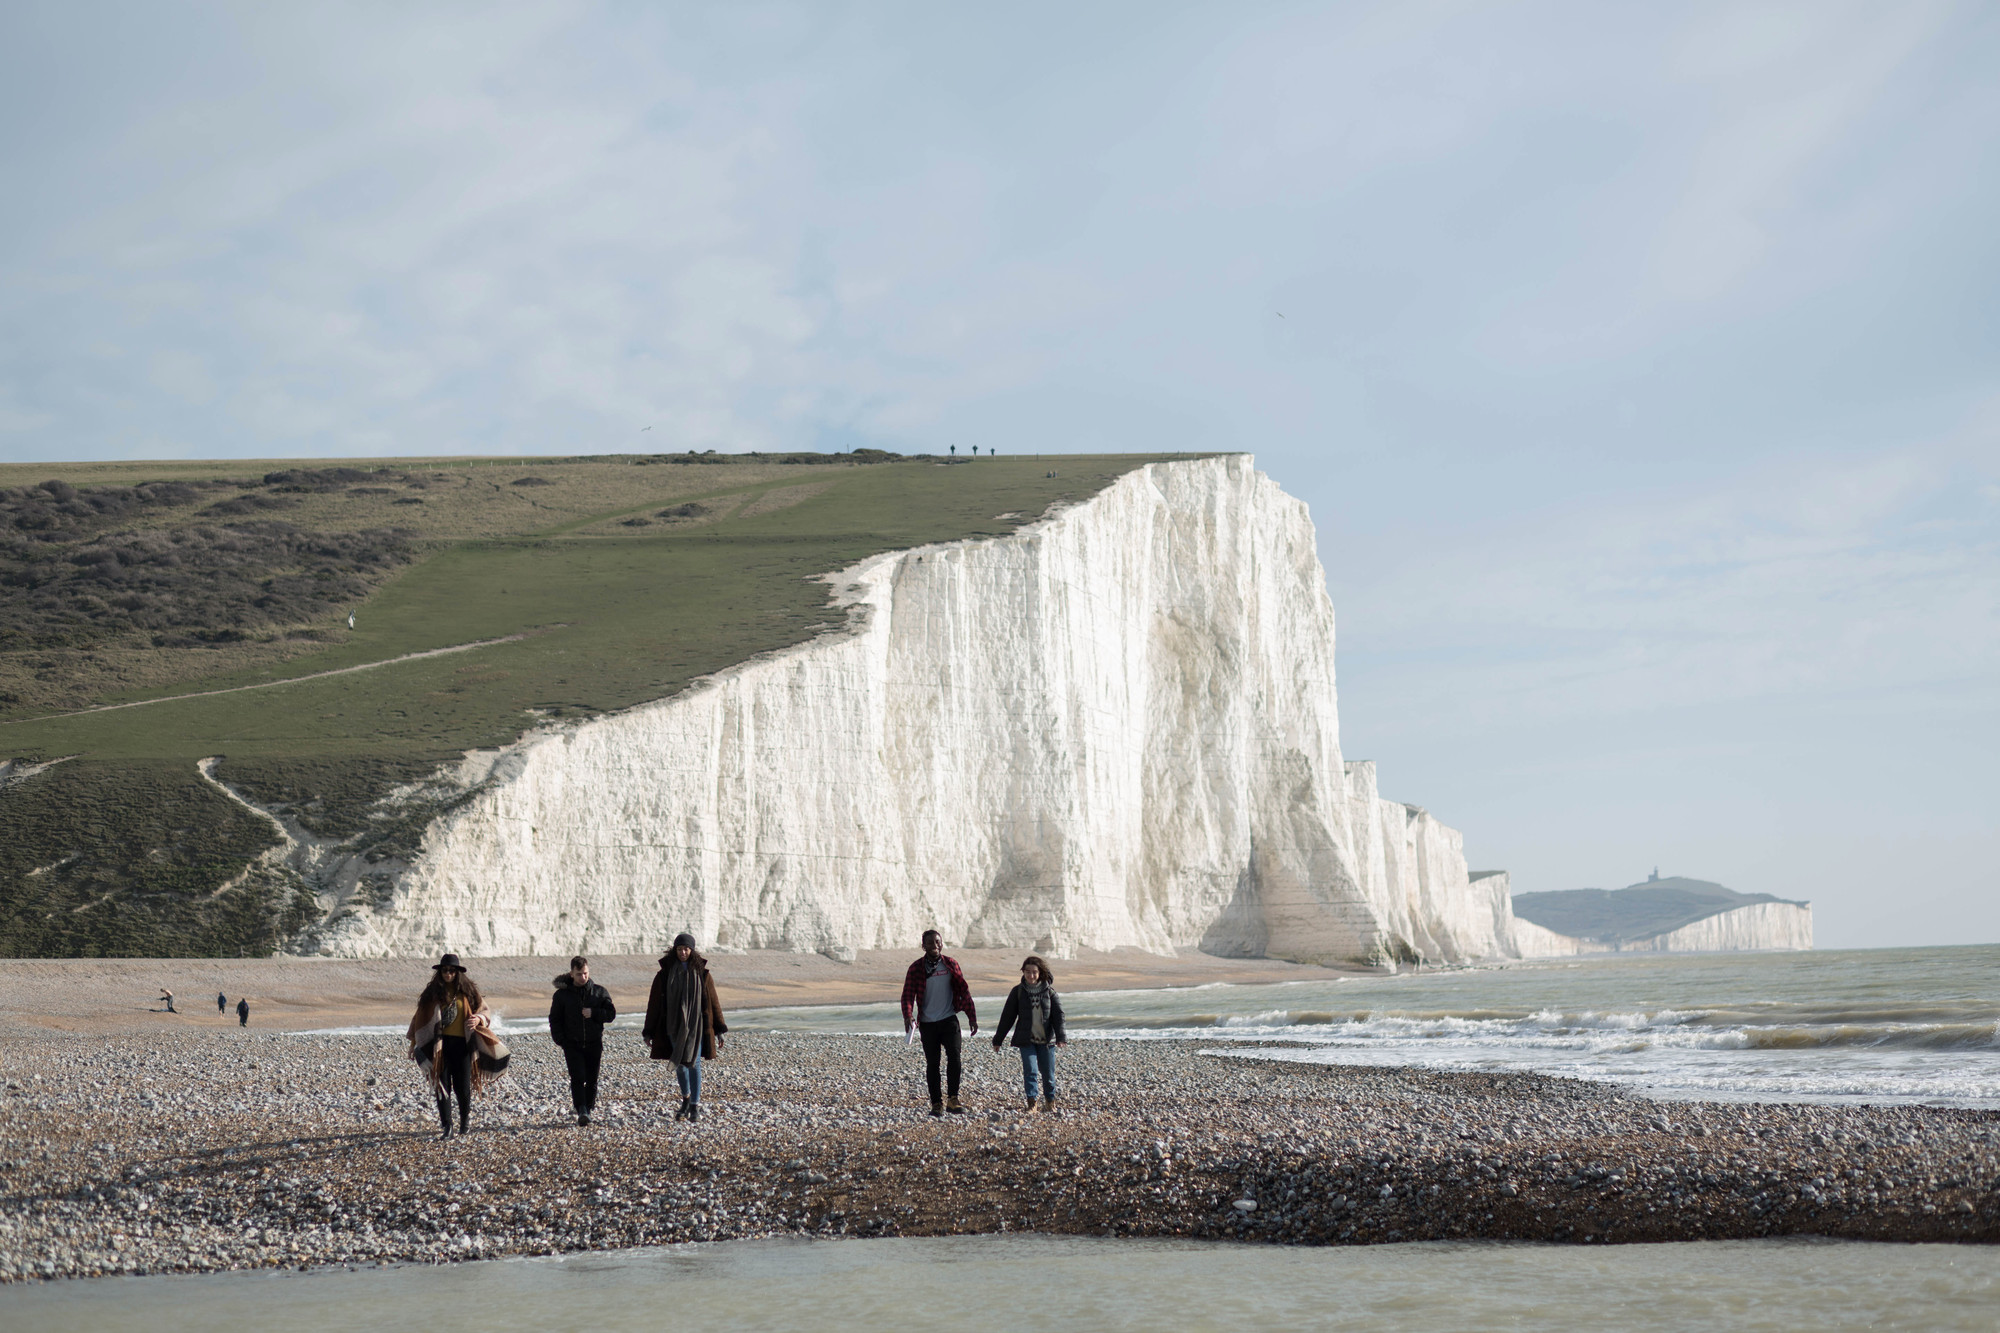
(591, 584)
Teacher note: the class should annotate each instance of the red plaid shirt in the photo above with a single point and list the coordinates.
(913, 989)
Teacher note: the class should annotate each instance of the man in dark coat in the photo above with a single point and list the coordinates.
(934, 994)
(243, 1013)
(684, 1020)
(577, 1016)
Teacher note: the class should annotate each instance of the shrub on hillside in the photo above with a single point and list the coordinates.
(71, 573)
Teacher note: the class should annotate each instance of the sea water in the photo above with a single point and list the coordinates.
(1855, 1025)
(968, 1284)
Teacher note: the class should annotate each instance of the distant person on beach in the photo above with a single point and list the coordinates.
(1036, 1015)
(577, 1016)
(242, 1013)
(684, 1020)
(446, 1039)
(934, 991)
(168, 996)
(221, 1003)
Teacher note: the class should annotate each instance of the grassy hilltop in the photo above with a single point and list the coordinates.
(583, 585)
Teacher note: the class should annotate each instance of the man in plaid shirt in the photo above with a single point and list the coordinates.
(934, 991)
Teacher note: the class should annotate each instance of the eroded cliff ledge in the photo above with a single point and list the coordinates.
(1115, 727)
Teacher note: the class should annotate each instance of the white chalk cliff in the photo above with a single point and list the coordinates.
(1114, 727)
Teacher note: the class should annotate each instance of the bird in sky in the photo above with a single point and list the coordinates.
(1279, 313)
(644, 429)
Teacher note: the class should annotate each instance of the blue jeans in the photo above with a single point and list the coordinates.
(689, 1077)
(1044, 1056)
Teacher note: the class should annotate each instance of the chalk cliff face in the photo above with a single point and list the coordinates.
(1758, 926)
(1115, 727)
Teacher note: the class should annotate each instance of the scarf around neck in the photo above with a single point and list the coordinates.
(684, 1011)
(1037, 997)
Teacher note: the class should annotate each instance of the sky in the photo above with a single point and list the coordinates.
(1640, 364)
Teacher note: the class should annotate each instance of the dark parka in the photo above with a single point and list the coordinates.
(566, 1021)
(655, 1031)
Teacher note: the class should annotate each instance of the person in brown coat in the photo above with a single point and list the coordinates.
(443, 1034)
(684, 1020)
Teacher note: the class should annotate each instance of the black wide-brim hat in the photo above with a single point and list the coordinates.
(450, 960)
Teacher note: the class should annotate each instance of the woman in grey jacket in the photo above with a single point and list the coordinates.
(1035, 1013)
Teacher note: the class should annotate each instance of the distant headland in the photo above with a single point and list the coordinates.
(1671, 915)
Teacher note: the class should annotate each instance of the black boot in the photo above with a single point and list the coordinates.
(444, 1119)
(463, 1117)
(694, 1112)
(681, 1112)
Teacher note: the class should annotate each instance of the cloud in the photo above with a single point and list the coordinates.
(1877, 576)
(1787, 83)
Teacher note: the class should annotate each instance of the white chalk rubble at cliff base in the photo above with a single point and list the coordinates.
(1115, 727)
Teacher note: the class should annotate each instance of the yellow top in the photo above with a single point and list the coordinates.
(456, 1028)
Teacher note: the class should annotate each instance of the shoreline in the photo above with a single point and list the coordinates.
(192, 1151)
(307, 994)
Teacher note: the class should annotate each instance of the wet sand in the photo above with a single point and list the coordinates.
(95, 995)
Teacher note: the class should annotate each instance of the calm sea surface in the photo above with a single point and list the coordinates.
(1863, 1025)
(975, 1283)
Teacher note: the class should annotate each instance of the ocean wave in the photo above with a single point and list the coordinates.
(1679, 1027)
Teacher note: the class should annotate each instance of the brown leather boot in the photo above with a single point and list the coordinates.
(951, 1105)
(1033, 1106)
(1049, 1104)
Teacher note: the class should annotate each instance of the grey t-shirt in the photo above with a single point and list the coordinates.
(937, 1004)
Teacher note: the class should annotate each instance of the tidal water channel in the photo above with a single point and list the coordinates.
(977, 1283)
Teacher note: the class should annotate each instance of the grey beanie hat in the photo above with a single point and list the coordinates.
(684, 938)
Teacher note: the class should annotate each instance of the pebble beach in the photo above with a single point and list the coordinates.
(205, 1150)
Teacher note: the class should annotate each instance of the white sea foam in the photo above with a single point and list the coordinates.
(1912, 1025)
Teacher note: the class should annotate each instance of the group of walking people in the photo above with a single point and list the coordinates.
(935, 994)
(453, 1041)
(221, 1006)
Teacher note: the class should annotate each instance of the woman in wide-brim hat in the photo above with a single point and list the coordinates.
(452, 1038)
(684, 1020)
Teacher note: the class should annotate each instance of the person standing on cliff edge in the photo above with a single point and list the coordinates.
(934, 991)
(577, 1016)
